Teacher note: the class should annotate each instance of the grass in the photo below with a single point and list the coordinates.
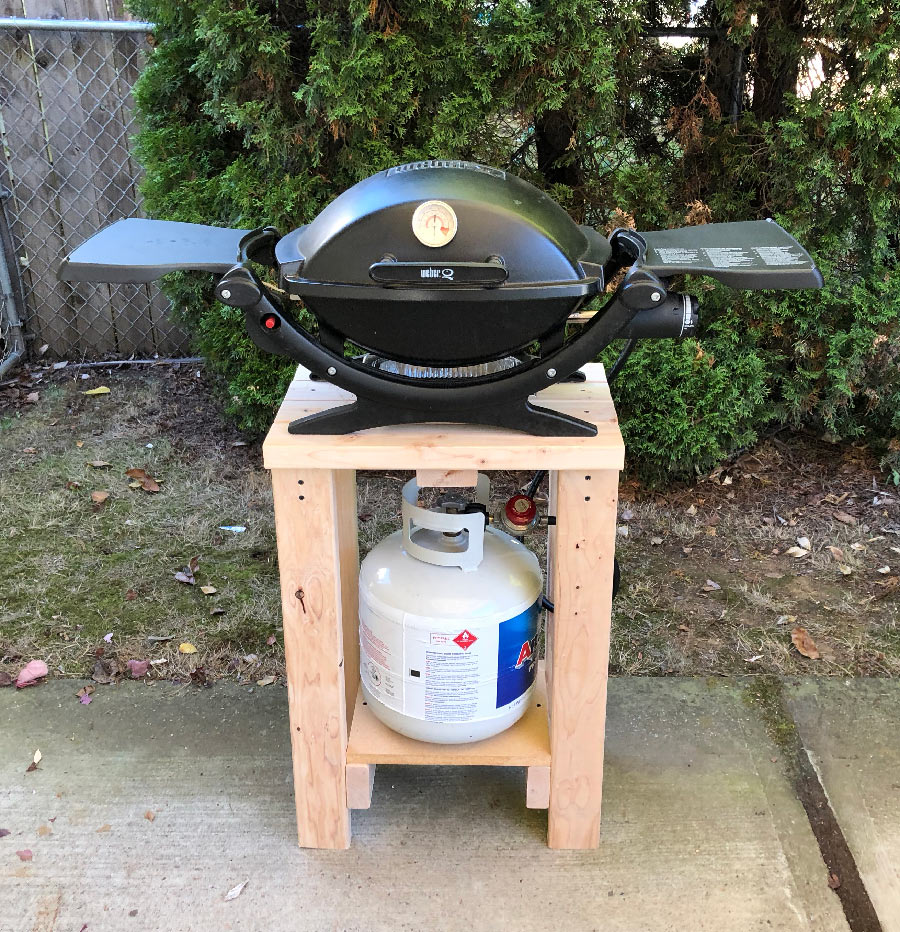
(72, 572)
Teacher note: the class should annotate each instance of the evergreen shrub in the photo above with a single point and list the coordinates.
(262, 112)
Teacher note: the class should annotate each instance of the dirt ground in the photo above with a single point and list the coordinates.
(710, 583)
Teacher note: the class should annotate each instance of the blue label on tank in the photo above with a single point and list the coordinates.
(517, 655)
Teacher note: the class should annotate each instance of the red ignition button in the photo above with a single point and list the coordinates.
(520, 510)
(271, 321)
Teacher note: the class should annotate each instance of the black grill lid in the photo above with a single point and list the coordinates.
(504, 224)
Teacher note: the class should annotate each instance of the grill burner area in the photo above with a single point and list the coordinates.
(458, 280)
(412, 371)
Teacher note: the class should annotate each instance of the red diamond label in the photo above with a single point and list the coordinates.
(465, 639)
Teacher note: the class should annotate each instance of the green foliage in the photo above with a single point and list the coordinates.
(261, 112)
(684, 407)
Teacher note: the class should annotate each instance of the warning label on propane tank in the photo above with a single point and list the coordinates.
(462, 675)
(451, 686)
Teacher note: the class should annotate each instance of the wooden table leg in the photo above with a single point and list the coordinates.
(314, 531)
(582, 591)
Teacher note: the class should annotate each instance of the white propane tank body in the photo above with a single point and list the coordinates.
(448, 617)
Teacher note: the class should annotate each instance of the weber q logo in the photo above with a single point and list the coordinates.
(437, 273)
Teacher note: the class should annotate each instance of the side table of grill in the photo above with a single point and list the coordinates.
(336, 741)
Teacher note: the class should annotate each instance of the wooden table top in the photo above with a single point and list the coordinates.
(448, 446)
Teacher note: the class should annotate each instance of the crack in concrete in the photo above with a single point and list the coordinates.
(767, 698)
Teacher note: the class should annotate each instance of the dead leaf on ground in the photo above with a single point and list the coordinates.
(836, 552)
(804, 643)
(797, 552)
(833, 880)
(144, 479)
(186, 575)
(5, 678)
(99, 497)
(692, 510)
(84, 695)
(208, 590)
(186, 648)
(149, 815)
(235, 892)
(105, 827)
(844, 518)
(32, 398)
(270, 640)
(33, 671)
(656, 541)
(844, 569)
(100, 390)
(785, 619)
(804, 543)
(44, 830)
(266, 681)
(138, 668)
(105, 671)
(711, 586)
(884, 570)
(99, 464)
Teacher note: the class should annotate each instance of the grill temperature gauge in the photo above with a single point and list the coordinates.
(434, 223)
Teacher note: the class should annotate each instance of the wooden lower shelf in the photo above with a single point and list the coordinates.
(525, 744)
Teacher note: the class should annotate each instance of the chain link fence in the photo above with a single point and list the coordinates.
(66, 119)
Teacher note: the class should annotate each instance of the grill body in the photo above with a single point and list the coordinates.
(516, 257)
(458, 280)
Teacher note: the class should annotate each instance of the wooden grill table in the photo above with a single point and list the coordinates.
(335, 739)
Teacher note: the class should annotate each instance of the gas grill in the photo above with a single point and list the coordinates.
(442, 290)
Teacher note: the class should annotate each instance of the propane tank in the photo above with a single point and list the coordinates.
(448, 618)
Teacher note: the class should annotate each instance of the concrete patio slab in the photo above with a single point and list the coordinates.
(701, 830)
(851, 728)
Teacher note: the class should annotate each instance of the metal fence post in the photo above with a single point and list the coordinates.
(12, 300)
